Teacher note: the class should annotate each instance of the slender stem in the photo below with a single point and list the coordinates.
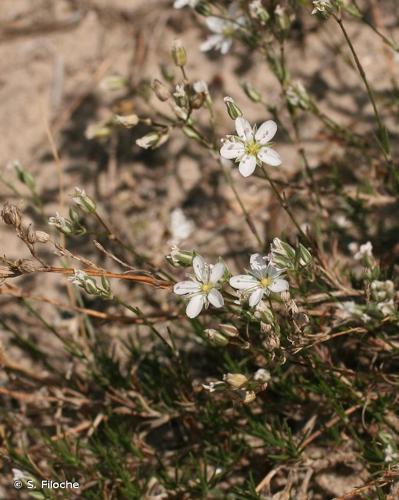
(370, 92)
(247, 216)
(284, 204)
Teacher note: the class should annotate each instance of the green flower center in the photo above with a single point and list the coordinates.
(228, 31)
(252, 148)
(265, 282)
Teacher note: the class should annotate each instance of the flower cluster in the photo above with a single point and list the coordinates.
(203, 288)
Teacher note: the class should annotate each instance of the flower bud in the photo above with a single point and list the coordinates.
(153, 139)
(235, 380)
(303, 255)
(127, 121)
(247, 397)
(251, 92)
(215, 337)
(179, 54)
(229, 330)
(83, 201)
(233, 110)
(180, 258)
(258, 12)
(11, 215)
(42, 237)
(160, 90)
(24, 176)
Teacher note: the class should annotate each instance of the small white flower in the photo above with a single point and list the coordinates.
(390, 454)
(365, 252)
(200, 87)
(262, 375)
(203, 289)
(263, 278)
(223, 30)
(180, 226)
(179, 4)
(250, 146)
(58, 220)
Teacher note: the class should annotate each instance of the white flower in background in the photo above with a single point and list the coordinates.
(262, 375)
(203, 289)
(321, 6)
(180, 226)
(179, 4)
(365, 252)
(390, 454)
(223, 30)
(250, 147)
(263, 278)
(201, 87)
(351, 310)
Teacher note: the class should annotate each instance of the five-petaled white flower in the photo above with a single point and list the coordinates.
(223, 30)
(263, 278)
(183, 3)
(250, 147)
(203, 289)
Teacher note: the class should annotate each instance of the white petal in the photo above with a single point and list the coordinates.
(217, 272)
(243, 281)
(195, 305)
(226, 45)
(215, 298)
(185, 287)
(216, 24)
(244, 129)
(247, 165)
(258, 262)
(269, 156)
(211, 42)
(279, 285)
(180, 3)
(200, 269)
(231, 150)
(266, 132)
(256, 297)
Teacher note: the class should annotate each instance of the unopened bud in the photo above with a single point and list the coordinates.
(304, 256)
(42, 237)
(11, 215)
(247, 396)
(233, 110)
(152, 140)
(180, 258)
(235, 380)
(271, 342)
(83, 201)
(215, 337)
(179, 53)
(229, 330)
(251, 92)
(160, 90)
(127, 121)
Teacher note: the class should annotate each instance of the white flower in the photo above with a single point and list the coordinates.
(321, 6)
(390, 454)
(179, 4)
(250, 146)
(200, 87)
(223, 30)
(180, 226)
(365, 252)
(264, 278)
(203, 289)
(262, 375)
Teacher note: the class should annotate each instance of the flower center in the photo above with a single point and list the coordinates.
(206, 287)
(252, 148)
(265, 282)
(228, 31)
